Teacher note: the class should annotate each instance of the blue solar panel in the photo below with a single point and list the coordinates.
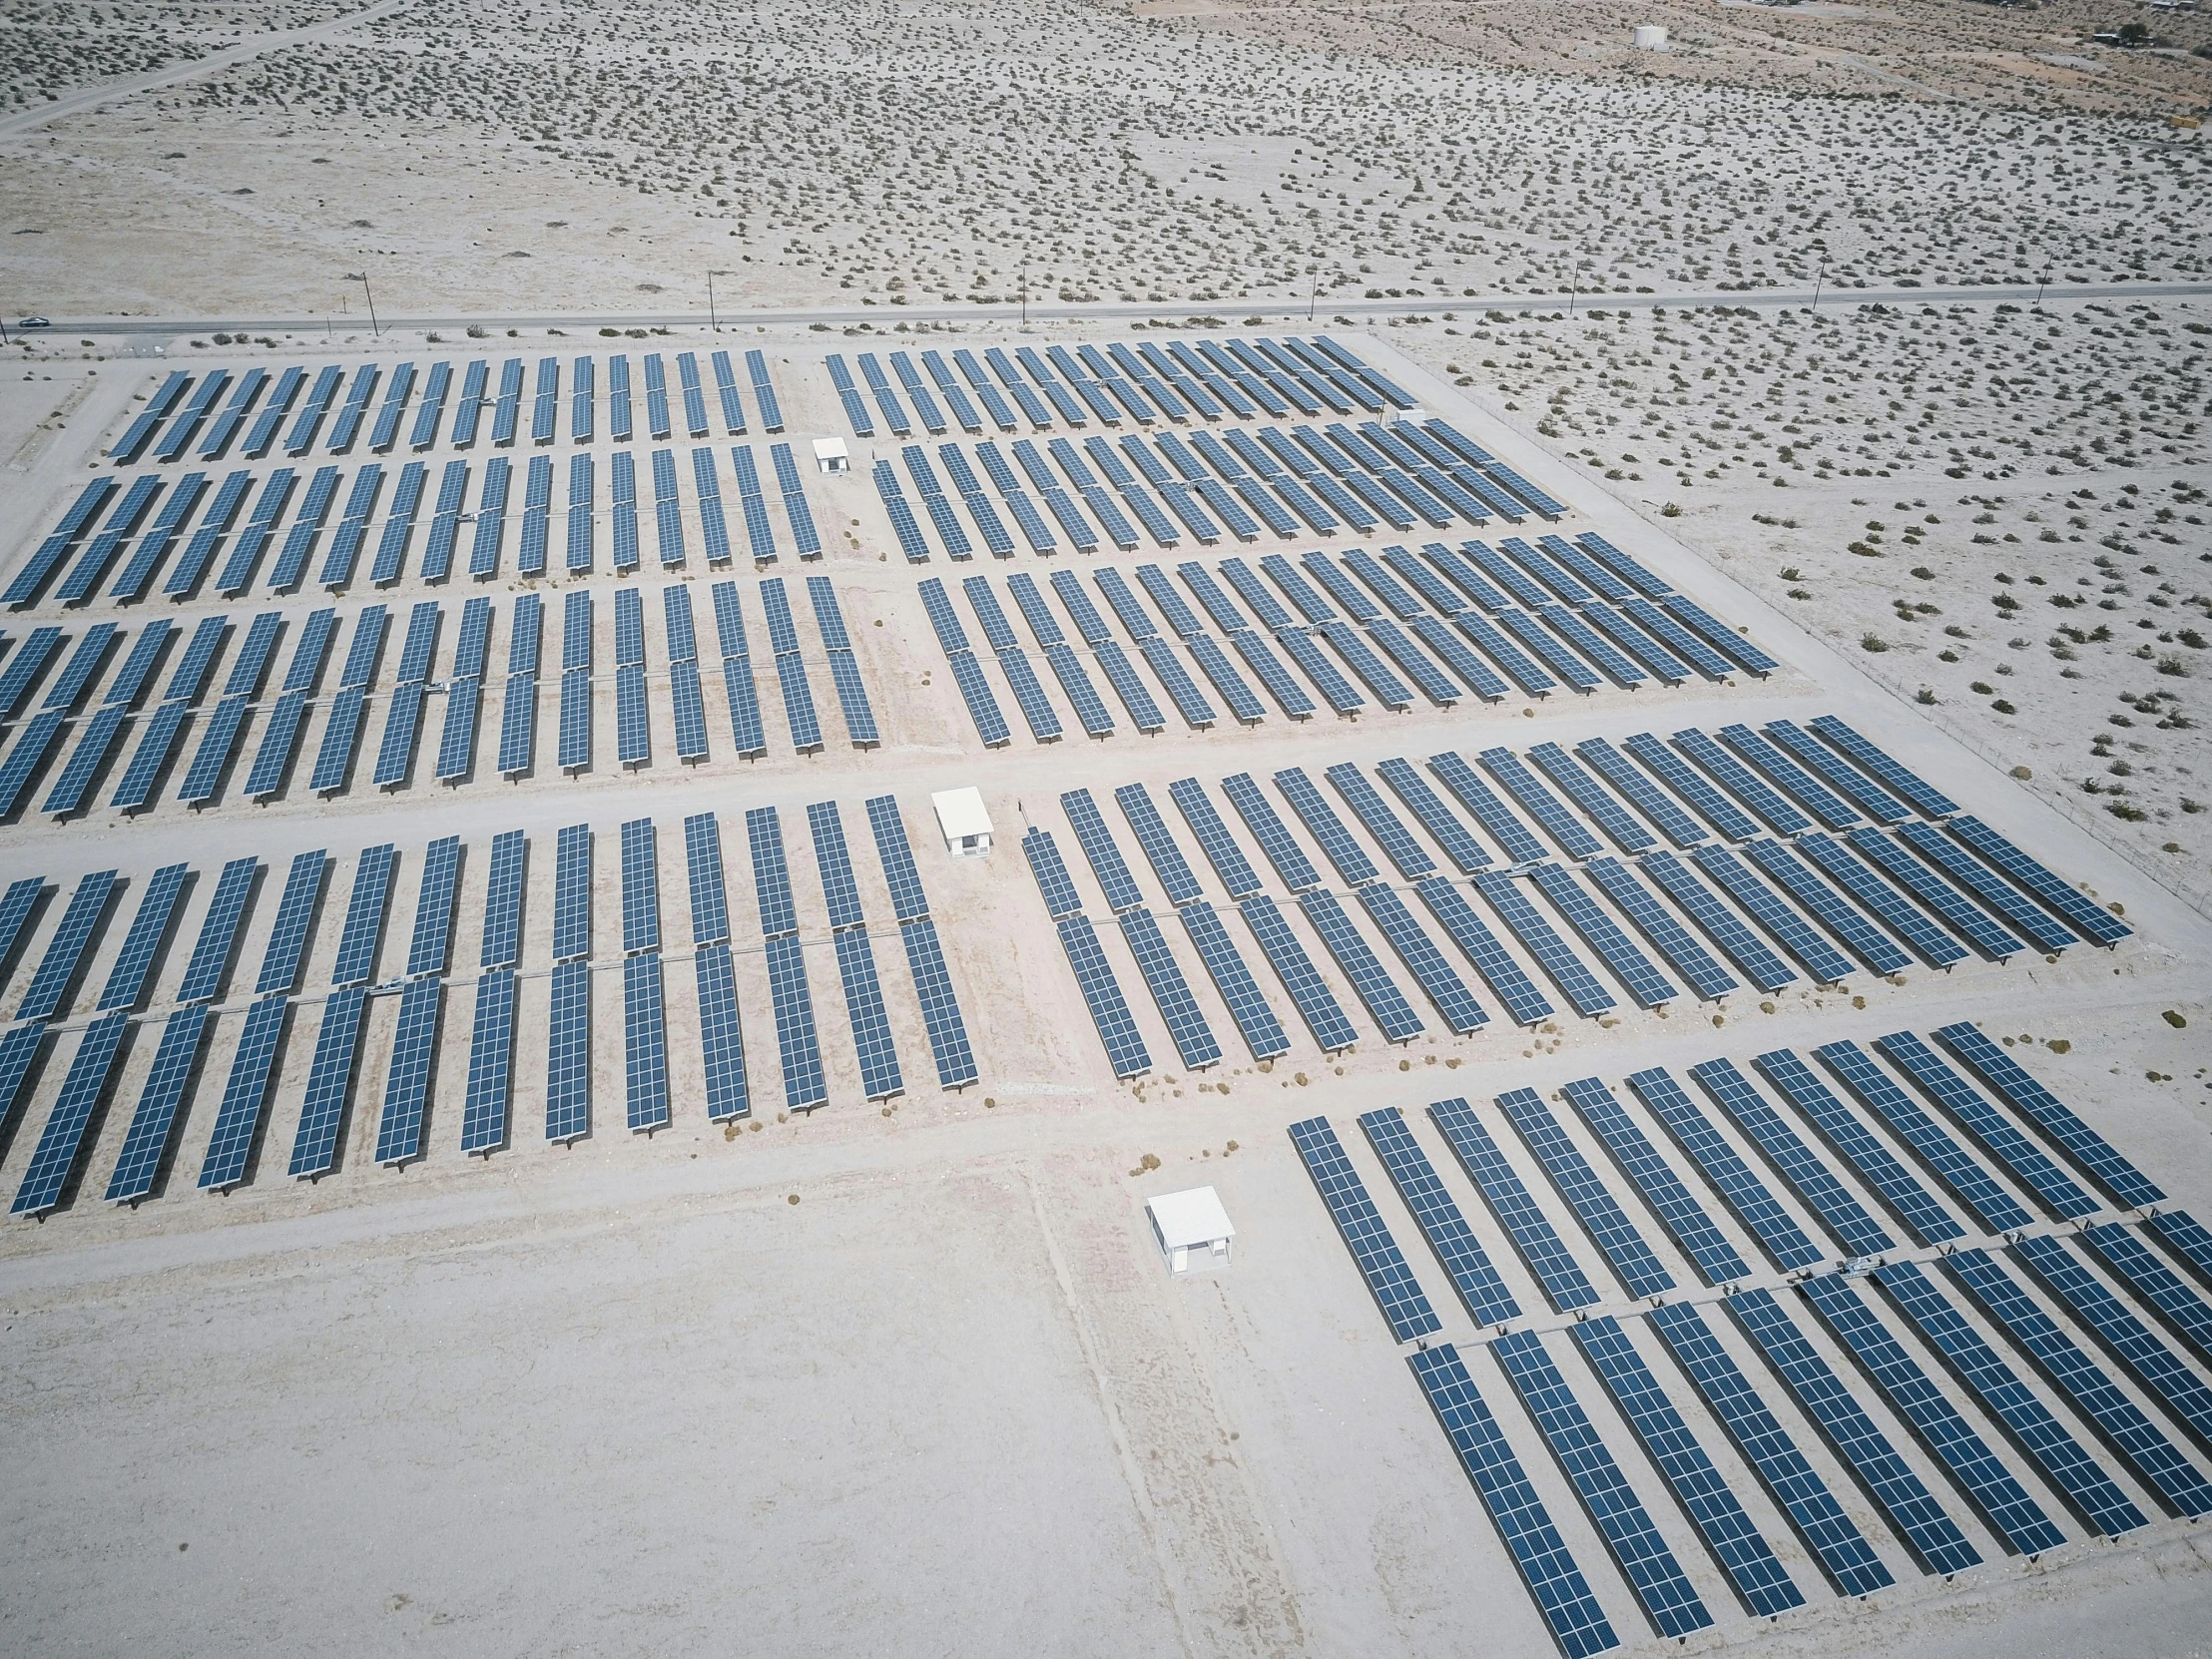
(2026, 1162)
(1797, 1489)
(1922, 796)
(1349, 860)
(1883, 900)
(572, 889)
(2013, 1085)
(1741, 1190)
(574, 747)
(1562, 1596)
(721, 1036)
(1716, 809)
(1719, 635)
(643, 1043)
(1856, 787)
(458, 742)
(745, 706)
(1604, 935)
(2121, 1334)
(1525, 1227)
(1455, 1004)
(1737, 779)
(90, 758)
(2120, 1422)
(2001, 1498)
(490, 1064)
(1963, 872)
(364, 917)
(798, 1042)
(1186, 1027)
(941, 1008)
(2029, 1423)
(502, 911)
(710, 909)
(69, 949)
(1789, 872)
(1662, 1190)
(62, 1143)
(1152, 834)
(1640, 1272)
(1798, 1163)
(246, 1094)
(1290, 863)
(798, 702)
(1463, 1258)
(568, 1055)
(1657, 924)
(154, 1124)
(1395, 1291)
(144, 942)
(1493, 815)
(641, 888)
(771, 873)
(329, 1084)
(1997, 1210)
(863, 1001)
(1370, 980)
(2088, 919)
(1098, 847)
(1876, 1166)
(1480, 946)
(1721, 924)
(633, 728)
(1645, 1561)
(2152, 1284)
(518, 723)
(1933, 1536)
(408, 1085)
(1543, 941)
(1823, 961)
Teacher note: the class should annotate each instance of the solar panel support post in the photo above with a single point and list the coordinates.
(361, 277)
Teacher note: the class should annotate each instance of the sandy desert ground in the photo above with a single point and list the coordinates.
(909, 1376)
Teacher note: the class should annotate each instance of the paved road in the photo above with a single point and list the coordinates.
(129, 86)
(883, 317)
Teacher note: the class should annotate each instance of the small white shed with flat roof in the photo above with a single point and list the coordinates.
(966, 825)
(830, 455)
(1193, 1228)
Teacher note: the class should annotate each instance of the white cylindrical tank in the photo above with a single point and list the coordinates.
(1650, 37)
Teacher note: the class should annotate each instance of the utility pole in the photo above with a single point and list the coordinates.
(1025, 291)
(1314, 302)
(1817, 282)
(361, 277)
(2041, 283)
(714, 322)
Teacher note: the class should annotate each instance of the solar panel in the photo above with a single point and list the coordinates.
(90, 758)
(1797, 1489)
(574, 747)
(1803, 748)
(1936, 947)
(62, 1142)
(863, 1001)
(745, 706)
(1098, 847)
(2047, 1443)
(941, 1008)
(490, 1064)
(1600, 1214)
(153, 1125)
(1657, 924)
(1186, 1027)
(518, 723)
(643, 1043)
(458, 742)
(1760, 965)
(2152, 1284)
(2026, 1163)
(1828, 906)
(1349, 860)
(1741, 1190)
(1493, 815)
(408, 1085)
(1933, 1536)
(1822, 802)
(1392, 1281)
(151, 756)
(1827, 965)
(1684, 1218)
(1538, 1246)
(1798, 1163)
(1716, 809)
(1457, 1007)
(1739, 781)
(796, 1039)
(1498, 969)
(1962, 871)
(771, 873)
(1859, 1147)
(2016, 1087)
(1290, 863)
(2088, 919)
(2122, 1335)
(1117, 1030)
(144, 942)
(330, 1083)
(721, 1036)
(1543, 941)
(2002, 1501)
(1997, 1210)
(1553, 1580)
(633, 729)
(2120, 1422)
(1641, 1553)
(568, 1055)
(572, 888)
(1604, 935)
(1159, 846)
(1922, 796)
(1719, 635)
(1608, 813)
(69, 949)
(246, 1094)
(1045, 863)
(798, 702)
(1036, 708)
(1370, 980)
(217, 746)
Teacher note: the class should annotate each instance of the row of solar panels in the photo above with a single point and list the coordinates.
(1834, 908)
(1147, 384)
(1286, 483)
(208, 423)
(160, 735)
(338, 1066)
(143, 540)
(1663, 1592)
(1458, 654)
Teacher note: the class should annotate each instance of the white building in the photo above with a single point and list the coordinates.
(966, 825)
(830, 455)
(1193, 1228)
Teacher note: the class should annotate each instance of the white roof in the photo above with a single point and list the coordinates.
(960, 812)
(829, 450)
(1190, 1217)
